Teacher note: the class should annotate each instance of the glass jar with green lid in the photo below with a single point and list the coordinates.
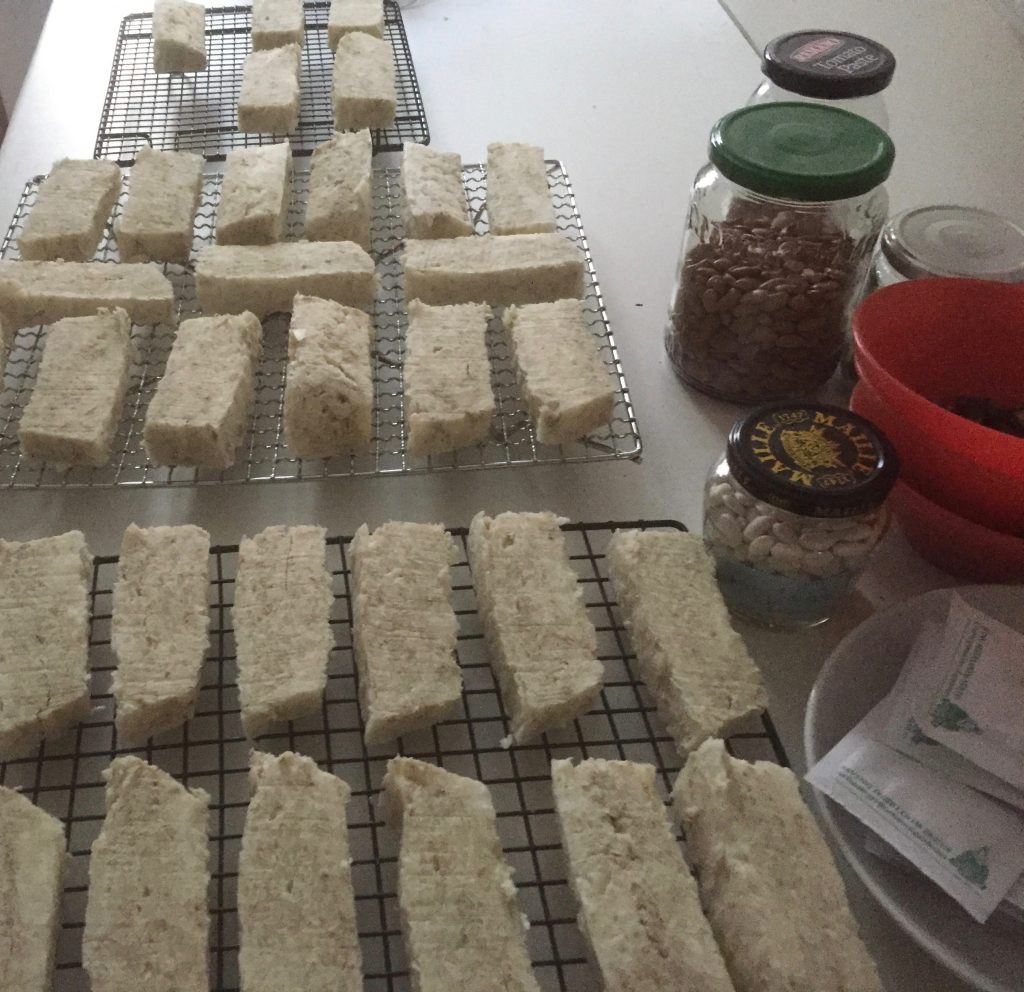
(781, 226)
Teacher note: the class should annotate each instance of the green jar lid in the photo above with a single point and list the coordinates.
(801, 151)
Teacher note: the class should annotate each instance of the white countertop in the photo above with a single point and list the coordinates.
(626, 104)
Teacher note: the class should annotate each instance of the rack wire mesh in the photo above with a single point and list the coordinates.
(210, 752)
(197, 111)
(264, 454)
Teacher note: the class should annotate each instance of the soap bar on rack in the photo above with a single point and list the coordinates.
(354, 15)
(254, 195)
(79, 390)
(435, 199)
(568, 390)
(403, 628)
(542, 644)
(517, 268)
(447, 378)
(179, 36)
(266, 279)
(269, 99)
(163, 195)
(463, 925)
(71, 211)
(201, 408)
(364, 83)
(146, 921)
(159, 627)
(341, 189)
(276, 23)
(44, 640)
(296, 909)
(518, 201)
(282, 625)
(328, 395)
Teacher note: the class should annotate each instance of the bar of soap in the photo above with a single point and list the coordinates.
(79, 391)
(447, 377)
(163, 195)
(146, 921)
(296, 907)
(340, 189)
(265, 280)
(403, 628)
(179, 36)
(354, 15)
(71, 211)
(269, 99)
(33, 293)
(328, 396)
(567, 388)
(254, 195)
(201, 408)
(159, 627)
(364, 83)
(282, 625)
(44, 639)
(277, 23)
(518, 201)
(435, 199)
(542, 644)
(517, 268)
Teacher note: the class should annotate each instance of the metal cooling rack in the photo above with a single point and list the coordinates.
(197, 111)
(210, 752)
(264, 454)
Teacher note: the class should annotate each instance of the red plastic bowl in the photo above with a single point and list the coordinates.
(922, 344)
(956, 545)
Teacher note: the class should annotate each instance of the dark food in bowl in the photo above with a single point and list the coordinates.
(990, 414)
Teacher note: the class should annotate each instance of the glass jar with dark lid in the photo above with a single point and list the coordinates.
(794, 508)
(834, 67)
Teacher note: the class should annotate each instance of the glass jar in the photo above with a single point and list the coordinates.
(794, 508)
(780, 230)
(834, 68)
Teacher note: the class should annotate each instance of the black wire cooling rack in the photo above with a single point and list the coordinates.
(210, 752)
(197, 111)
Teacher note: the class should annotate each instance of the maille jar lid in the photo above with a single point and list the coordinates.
(828, 65)
(949, 240)
(812, 459)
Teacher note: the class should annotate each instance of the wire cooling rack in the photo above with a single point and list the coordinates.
(210, 752)
(197, 111)
(264, 454)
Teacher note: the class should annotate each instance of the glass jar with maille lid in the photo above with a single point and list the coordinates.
(794, 508)
(780, 230)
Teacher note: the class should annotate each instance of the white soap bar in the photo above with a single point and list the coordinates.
(340, 189)
(159, 627)
(354, 15)
(269, 99)
(542, 645)
(199, 413)
(519, 268)
(447, 377)
(403, 628)
(364, 83)
(518, 201)
(163, 196)
(179, 36)
(254, 195)
(282, 625)
(328, 396)
(265, 280)
(44, 639)
(277, 23)
(71, 211)
(435, 199)
(79, 391)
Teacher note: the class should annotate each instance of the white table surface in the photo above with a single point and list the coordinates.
(627, 105)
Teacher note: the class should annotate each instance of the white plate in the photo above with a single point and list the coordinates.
(861, 670)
